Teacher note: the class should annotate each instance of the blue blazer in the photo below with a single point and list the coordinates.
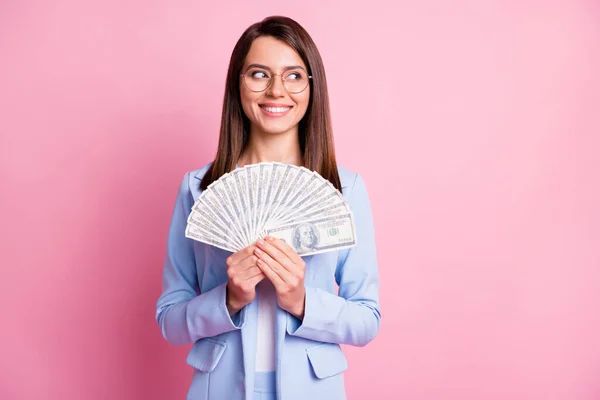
(310, 361)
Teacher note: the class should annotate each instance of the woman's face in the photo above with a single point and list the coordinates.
(274, 110)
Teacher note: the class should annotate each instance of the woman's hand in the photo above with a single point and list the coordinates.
(243, 275)
(285, 269)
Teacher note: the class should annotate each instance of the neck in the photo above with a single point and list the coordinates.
(262, 147)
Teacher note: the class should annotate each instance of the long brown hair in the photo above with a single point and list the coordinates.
(314, 130)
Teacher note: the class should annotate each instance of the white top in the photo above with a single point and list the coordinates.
(265, 335)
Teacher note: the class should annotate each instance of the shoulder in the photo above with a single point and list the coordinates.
(347, 176)
(351, 181)
(198, 174)
(191, 180)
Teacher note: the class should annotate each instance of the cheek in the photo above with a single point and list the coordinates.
(302, 102)
(247, 100)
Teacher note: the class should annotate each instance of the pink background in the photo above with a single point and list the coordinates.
(475, 124)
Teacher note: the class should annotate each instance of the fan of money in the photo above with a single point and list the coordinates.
(285, 201)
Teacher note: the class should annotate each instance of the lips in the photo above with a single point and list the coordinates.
(275, 109)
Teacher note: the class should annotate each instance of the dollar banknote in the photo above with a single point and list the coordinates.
(317, 235)
(286, 201)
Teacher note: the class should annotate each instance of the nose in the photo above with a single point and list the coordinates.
(276, 88)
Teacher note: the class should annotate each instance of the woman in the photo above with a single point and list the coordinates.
(265, 322)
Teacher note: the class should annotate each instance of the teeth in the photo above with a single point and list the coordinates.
(276, 109)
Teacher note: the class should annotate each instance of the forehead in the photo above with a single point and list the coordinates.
(273, 53)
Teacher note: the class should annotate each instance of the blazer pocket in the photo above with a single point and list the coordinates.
(327, 360)
(205, 354)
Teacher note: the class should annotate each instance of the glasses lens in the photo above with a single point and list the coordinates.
(257, 79)
(295, 80)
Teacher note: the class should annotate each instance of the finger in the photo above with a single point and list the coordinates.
(237, 257)
(272, 264)
(285, 248)
(275, 254)
(270, 274)
(254, 280)
(247, 263)
(250, 272)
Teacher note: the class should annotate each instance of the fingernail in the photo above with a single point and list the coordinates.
(258, 252)
(261, 242)
(269, 238)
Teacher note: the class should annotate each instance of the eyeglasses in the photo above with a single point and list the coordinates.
(258, 79)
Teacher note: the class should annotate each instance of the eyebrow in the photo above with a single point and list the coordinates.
(267, 68)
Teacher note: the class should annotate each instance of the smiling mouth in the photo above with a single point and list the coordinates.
(275, 110)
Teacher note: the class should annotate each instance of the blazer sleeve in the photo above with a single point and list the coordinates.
(182, 312)
(353, 315)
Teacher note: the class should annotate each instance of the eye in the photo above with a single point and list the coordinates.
(293, 76)
(259, 74)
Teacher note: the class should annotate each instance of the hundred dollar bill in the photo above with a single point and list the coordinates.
(237, 201)
(216, 205)
(210, 229)
(225, 200)
(203, 216)
(300, 186)
(241, 180)
(323, 198)
(329, 211)
(264, 192)
(278, 175)
(318, 187)
(196, 233)
(286, 185)
(252, 175)
(317, 235)
(325, 203)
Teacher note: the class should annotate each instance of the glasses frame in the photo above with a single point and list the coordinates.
(271, 78)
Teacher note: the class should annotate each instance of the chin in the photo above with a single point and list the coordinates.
(276, 130)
